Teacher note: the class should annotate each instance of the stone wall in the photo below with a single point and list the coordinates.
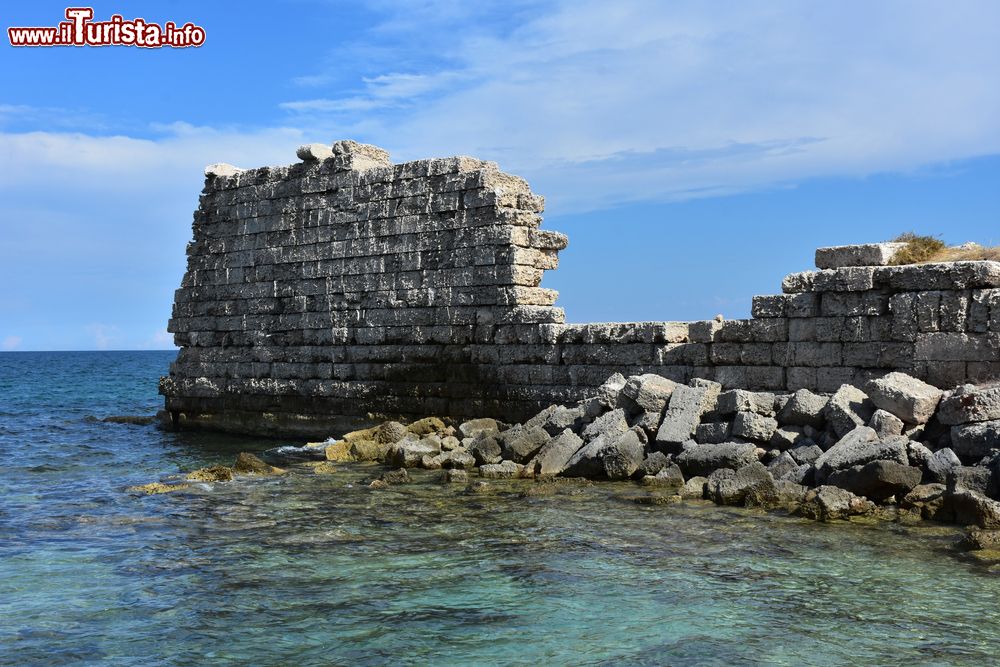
(322, 292)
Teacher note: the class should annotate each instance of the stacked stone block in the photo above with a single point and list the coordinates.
(322, 292)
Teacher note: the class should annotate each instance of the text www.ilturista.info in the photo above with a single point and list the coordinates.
(81, 30)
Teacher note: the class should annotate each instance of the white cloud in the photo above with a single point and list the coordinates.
(601, 102)
(105, 336)
(161, 340)
(11, 343)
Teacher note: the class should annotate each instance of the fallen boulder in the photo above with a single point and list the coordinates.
(877, 480)
(704, 459)
(912, 400)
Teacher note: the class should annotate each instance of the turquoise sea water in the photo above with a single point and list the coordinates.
(311, 569)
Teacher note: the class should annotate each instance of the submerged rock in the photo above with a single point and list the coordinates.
(154, 488)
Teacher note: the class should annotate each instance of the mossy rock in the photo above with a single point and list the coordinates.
(156, 487)
(339, 452)
(369, 450)
(323, 467)
(248, 464)
(385, 433)
(211, 474)
(426, 426)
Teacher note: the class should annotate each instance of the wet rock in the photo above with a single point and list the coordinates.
(623, 456)
(804, 408)
(713, 433)
(694, 488)
(211, 474)
(829, 503)
(396, 476)
(886, 424)
(752, 426)
(455, 476)
(669, 476)
(790, 494)
(878, 480)
(287, 454)
(503, 470)
(703, 459)
(130, 420)
(647, 393)
(521, 443)
(486, 450)
(378, 484)
(339, 452)
(859, 447)
(248, 464)
(609, 424)
(154, 488)
(970, 403)
(848, 409)
(477, 427)
(974, 441)
(974, 509)
(738, 400)
(323, 468)
(426, 426)
(974, 478)
(911, 400)
(978, 539)
(410, 454)
(750, 485)
(555, 455)
(654, 463)
(927, 499)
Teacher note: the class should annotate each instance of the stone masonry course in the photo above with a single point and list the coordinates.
(321, 294)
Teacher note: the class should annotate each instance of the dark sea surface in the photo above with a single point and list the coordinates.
(308, 569)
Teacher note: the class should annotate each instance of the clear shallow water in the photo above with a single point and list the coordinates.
(315, 569)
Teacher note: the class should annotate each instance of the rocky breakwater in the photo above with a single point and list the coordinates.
(896, 448)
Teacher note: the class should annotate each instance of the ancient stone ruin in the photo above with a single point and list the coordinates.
(321, 294)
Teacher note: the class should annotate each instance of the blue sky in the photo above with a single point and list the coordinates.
(695, 152)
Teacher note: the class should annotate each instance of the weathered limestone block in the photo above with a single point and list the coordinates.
(944, 276)
(868, 254)
(859, 447)
(970, 403)
(957, 347)
(847, 409)
(703, 459)
(687, 405)
(976, 440)
(314, 152)
(910, 399)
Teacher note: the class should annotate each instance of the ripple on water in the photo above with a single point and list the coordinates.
(319, 569)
